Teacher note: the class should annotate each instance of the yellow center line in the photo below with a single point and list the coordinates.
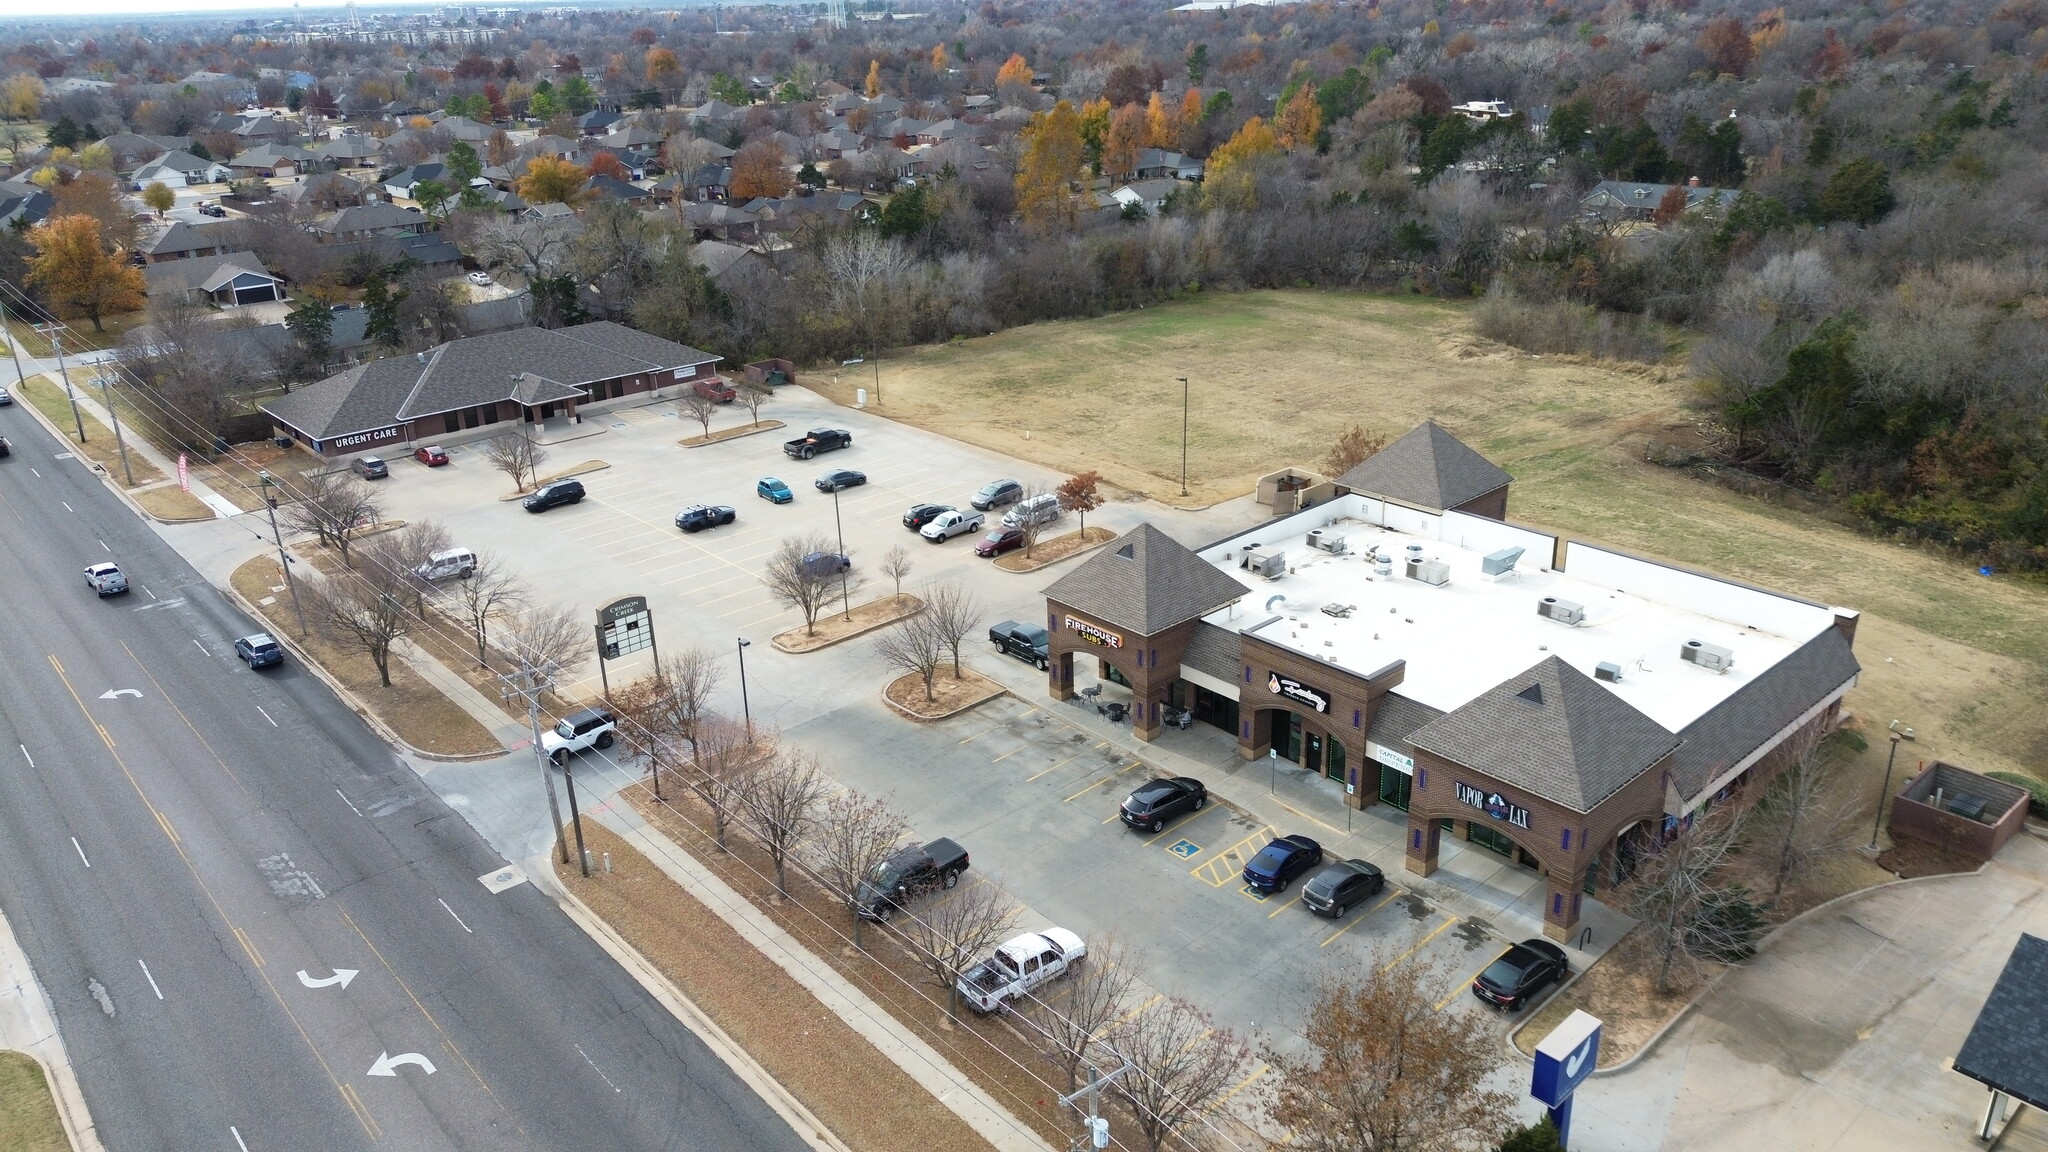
(1353, 922)
(1104, 780)
(1112, 1025)
(407, 989)
(1434, 933)
(1010, 753)
(181, 716)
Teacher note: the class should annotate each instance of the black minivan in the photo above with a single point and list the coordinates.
(551, 495)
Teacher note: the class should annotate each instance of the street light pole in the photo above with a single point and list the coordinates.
(1183, 435)
(575, 818)
(746, 710)
(845, 595)
(283, 561)
(1886, 790)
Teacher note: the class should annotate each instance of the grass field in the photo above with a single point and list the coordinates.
(1274, 377)
(28, 1115)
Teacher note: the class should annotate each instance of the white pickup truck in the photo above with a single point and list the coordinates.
(1019, 967)
(947, 525)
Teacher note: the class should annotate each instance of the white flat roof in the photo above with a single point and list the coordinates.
(1463, 637)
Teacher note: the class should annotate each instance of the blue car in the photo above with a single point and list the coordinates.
(773, 490)
(1278, 863)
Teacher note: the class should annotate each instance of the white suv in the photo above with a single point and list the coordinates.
(578, 731)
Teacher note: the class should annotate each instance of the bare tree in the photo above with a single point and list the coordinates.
(1383, 1069)
(490, 593)
(547, 637)
(753, 396)
(952, 613)
(1354, 447)
(1182, 1064)
(1031, 525)
(1073, 1021)
(698, 407)
(724, 771)
(896, 565)
(800, 583)
(1675, 894)
(329, 506)
(668, 707)
(856, 834)
(783, 807)
(953, 933)
(1797, 824)
(371, 609)
(912, 646)
(538, 248)
(517, 456)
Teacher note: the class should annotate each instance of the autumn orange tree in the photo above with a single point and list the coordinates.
(99, 196)
(1383, 1070)
(939, 57)
(1162, 124)
(552, 180)
(1120, 146)
(1081, 494)
(759, 169)
(76, 272)
(609, 164)
(1670, 206)
(1052, 158)
(1015, 74)
(874, 84)
(1231, 180)
(1726, 45)
(1353, 448)
(1300, 120)
(661, 66)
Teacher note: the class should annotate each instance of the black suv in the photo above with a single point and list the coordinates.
(552, 495)
(1158, 801)
(923, 514)
(700, 516)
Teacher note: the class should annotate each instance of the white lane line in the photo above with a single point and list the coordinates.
(596, 1069)
(152, 980)
(146, 591)
(202, 647)
(25, 756)
(68, 507)
(273, 724)
(471, 931)
(32, 468)
(238, 1138)
(338, 792)
(81, 851)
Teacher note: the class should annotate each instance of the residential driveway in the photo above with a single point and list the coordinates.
(1838, 1037)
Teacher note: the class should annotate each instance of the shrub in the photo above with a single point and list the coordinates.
(1559, 327)
(2037, 791)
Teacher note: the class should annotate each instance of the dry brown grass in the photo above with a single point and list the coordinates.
(950, 694)
(990, 1051)
(413, 708)
(171, 502)
(834, 626)
(28, 1114)
(48, 396)
(1621, 989)
(1054, 550)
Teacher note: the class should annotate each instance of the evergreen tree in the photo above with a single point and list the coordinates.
(380, 313)
(1860, 192)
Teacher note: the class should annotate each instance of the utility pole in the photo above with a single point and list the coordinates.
(527, 683)
(283, 561)
(13, 346)
(107, 398)
(1183, 435)
(57, 346)
(1097, 1135)
(844, 594)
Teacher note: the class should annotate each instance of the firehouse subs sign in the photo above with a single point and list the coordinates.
(1296, 690)
(1493, 804)
(1094, 635)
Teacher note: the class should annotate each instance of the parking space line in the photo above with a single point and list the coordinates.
(1010, 753)
(1216, 1105)
(1228, 863)
(1433, 934)
(1104, 780)
(1460, 986)
(1130, 1015)
(1353, 922)
(1285, 907)
(1068, 760)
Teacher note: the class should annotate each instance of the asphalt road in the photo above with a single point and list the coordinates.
(186, 846)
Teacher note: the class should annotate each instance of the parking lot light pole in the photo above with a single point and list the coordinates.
(745, 709)
(1183, 435)
(1878, 821)
(844, 594)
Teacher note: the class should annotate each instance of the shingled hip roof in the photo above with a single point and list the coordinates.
(1553, 731)
(2007, 1048)
(1148, 583)
(1428, 468)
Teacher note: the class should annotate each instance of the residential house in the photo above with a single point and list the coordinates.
(885, 108)
(132, 151)
(732, 266)
(549, 211)
(401, 183)
(369, 222)
(597, 122)
(709, 183)
(1154, 163)
(941, 131)
(181, 170)
(721, 222)
(23, 204)
(559, 147)
(1148, 194)
(268, 161)
(1011, 117)
(464, 129)
(837, 143)
(635, 147)
(323, 192)
(349, 150)
(1484, 109)
(229, 279)
(612, 188)
(1631, 200)
(716, 113)
(900, 128)
(182, 241)
(524, 375)
(962, 156)
(266, 129)
(839, 105)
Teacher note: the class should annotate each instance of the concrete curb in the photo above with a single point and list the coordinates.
(361, 709)
(932, 718)
(583, 469)
(27, 1025)
(1770, 937)
(106, 477)
(730, 434)
(1043, 564)
(820, 647)
(799, 1118)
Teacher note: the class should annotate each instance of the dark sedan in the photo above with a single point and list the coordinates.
(826, 564)
(999, 541)
(839, 478)
(1335, 889)
(698, 517)
(1522, 971)
(1157, 801)
(923, 514)
(1278, 863)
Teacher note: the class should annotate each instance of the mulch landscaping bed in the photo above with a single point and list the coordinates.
(1621, 989)
(834, 626)
(866, 1100)
(989, 1050)
(1054, 550)
(1910, 859)
(729, 434)
(953, 695)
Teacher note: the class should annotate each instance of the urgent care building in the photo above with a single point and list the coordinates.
(1563, 704)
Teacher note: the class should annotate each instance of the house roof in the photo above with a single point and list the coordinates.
(350, 147)
(1636, 195)
(1428, 468)
(206, 273)
(1150, 190)
(1553, 731)
(264, 155)
(368, 217)
(1214, 649)
(476, 370)
(416, 174)
(612, 188)
(183, 162)
(1148, 583)
(1761, 709)
(2007, 1048)
(1396, 719)
(183, 237)
(717, 257)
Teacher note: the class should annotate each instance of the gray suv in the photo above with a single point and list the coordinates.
(997, 494)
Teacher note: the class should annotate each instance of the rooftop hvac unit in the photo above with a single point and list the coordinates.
(1712, 657)
(1607, 671)
(1414, 552)
(1326, 540)
(1383, 565)
(1432, 572)
(1562, 611)
(1498, 563)
(1271, 565)
(1340, 611)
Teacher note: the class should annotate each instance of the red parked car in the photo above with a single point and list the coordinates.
(999, 541)
(433, 456)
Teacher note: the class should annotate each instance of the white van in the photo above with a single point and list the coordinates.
(447, 562)
(1037, 510)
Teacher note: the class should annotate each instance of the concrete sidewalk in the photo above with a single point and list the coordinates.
(27, 1025)
(140, 447)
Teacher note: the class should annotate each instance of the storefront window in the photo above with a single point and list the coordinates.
(1395, 786)
(1488, 839)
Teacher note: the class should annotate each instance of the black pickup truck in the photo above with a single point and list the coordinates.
(1024, 641)
(815, 441)
(908, 873)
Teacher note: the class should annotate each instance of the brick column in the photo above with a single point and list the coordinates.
(1421, 844)
(1561, 897)
(1059, 676)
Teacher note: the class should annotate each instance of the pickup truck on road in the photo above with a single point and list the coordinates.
(908, 873)
(1027, 642)
(1018, 967)
(815, 441)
